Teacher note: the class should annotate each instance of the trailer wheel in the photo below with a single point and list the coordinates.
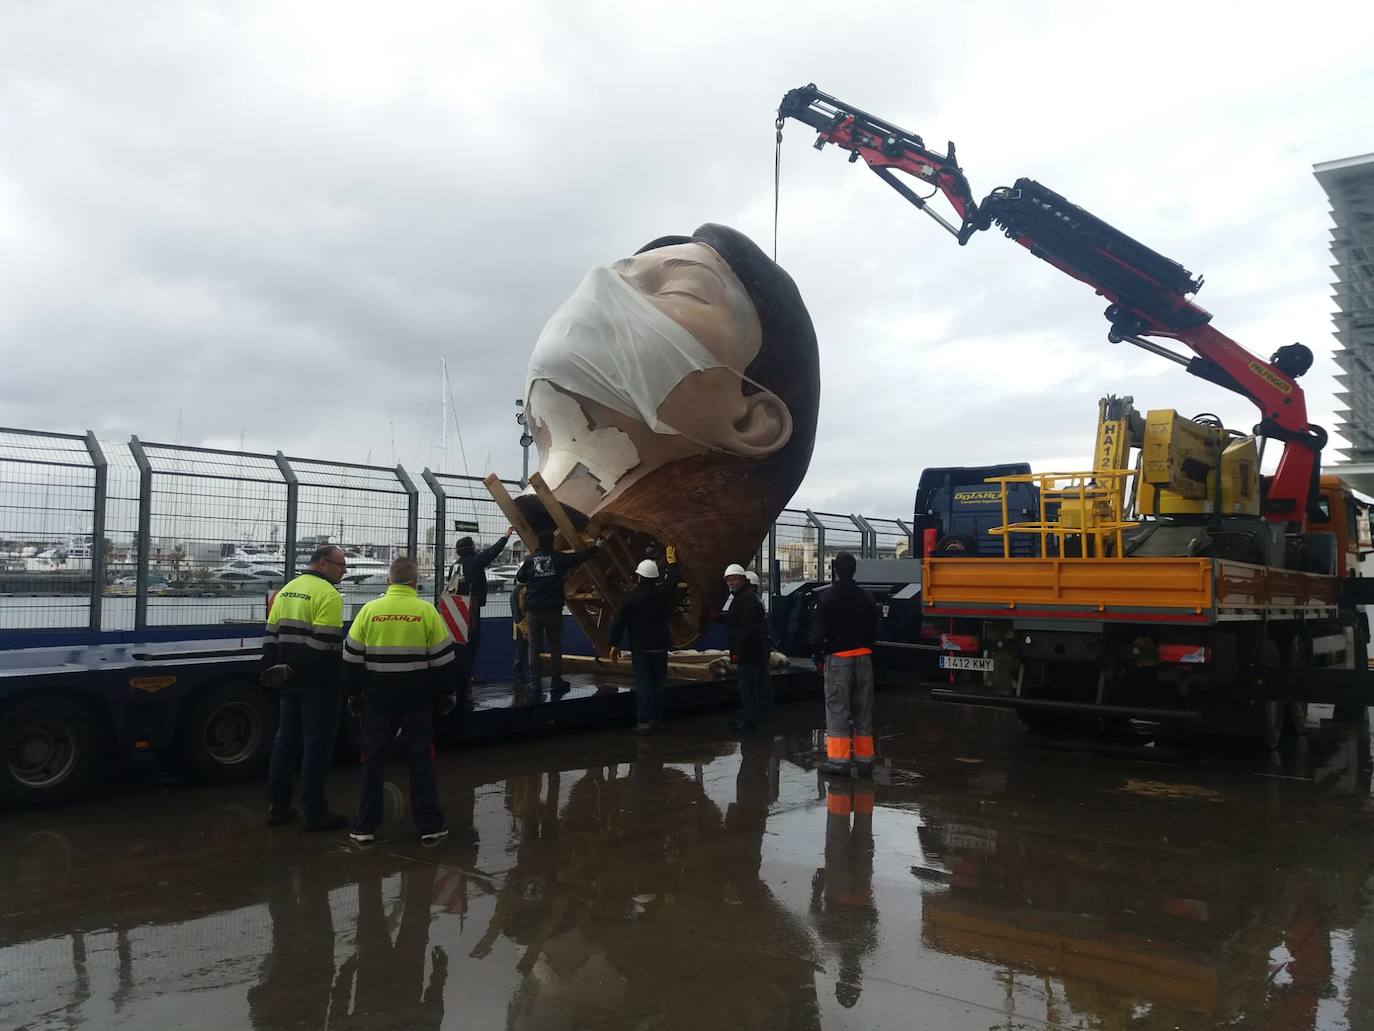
(51, 749)
(226, 734)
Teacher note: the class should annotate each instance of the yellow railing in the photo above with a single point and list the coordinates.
(1089, 509)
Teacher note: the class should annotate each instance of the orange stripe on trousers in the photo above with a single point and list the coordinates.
(863, 747)
(837, 748)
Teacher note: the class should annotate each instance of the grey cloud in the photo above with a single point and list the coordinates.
(275, 219)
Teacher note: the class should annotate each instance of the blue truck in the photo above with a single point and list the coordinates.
(956, 510)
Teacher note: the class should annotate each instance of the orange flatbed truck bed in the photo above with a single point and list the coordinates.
(1183, 591)
(1225, 646)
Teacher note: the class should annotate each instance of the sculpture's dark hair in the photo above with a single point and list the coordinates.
(788, 363)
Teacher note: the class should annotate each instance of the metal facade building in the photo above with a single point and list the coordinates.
(1349, 185)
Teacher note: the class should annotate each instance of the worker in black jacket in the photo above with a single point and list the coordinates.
(747, 633)
(844, 626)
(644, 614)
(468, 578)
(542, 574)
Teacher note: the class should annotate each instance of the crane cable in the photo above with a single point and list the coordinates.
(777, 182)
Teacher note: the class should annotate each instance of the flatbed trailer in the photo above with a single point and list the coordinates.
(1224, 646)
(70, 713)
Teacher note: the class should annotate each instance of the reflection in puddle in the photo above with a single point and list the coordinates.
(690, 880)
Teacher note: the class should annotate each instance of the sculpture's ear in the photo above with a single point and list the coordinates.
(763, 429)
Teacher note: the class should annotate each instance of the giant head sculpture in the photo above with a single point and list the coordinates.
(673, 400)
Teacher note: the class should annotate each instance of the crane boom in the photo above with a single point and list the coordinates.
(1149, 295)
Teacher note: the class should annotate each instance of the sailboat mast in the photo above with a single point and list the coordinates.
(443, 409)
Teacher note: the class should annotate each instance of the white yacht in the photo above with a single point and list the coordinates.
(72, 557)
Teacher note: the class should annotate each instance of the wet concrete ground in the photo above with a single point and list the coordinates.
(692, 880)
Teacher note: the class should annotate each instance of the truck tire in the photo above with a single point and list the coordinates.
(226, 734)
(1266, 715)
(51, 749)
(1295, 713)
(956, 545)
(1269, 722)
(1356, 715)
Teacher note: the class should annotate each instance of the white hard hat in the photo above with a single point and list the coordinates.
(647, 569)
(753, 577)
(734, 569)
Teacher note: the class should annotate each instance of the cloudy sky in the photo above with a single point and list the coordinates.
(270, 221)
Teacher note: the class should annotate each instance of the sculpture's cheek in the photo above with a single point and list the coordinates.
(605, 452)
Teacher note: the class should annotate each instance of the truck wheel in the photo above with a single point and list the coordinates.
(957, 545)
(1295, 713)
(1356, 714)
(1269, 722)
(52, 748)
(226, 734)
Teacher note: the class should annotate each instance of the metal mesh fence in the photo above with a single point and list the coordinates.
(891, 538)
(126, 536)
(49, 532)
(467, 510)
(840, 533)
(795, 548)
(369, 511)
(212, 528)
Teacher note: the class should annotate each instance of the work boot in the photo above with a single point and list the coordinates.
(645, 728)
(831, 768)
(559, 689)
(864, 769)
(434, 837)
(280, 814)
(325, 822)
(742, 726)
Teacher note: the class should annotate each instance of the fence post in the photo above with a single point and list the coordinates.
(910, 537)
(98, 557)
(868, 538)
(145, 529)
(412, 512)
(773, 560)
(293, 497)
(440, 531)
(820, 543)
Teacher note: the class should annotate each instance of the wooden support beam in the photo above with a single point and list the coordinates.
(508, 508)
(594, 628)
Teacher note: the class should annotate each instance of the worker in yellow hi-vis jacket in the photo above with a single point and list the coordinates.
(300, 659)
(398, 657)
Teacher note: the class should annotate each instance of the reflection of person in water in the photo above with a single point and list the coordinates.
(621, 914)
(384, 979)
(842, 890)
(675, 393)
(293, 991)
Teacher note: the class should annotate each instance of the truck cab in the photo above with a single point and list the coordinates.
(1336, 543)
(957, 509)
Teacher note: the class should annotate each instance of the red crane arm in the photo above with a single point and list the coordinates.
(1149, 294)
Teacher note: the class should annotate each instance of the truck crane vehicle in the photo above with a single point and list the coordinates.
(1182, 587)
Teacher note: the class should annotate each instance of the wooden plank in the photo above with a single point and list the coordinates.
(677, 671)
(588, 568)
(508, 508)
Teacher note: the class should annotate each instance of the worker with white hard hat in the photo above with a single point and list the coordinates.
(747, 633)
(643, 615)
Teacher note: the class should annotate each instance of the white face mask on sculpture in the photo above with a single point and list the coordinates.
(609, 343)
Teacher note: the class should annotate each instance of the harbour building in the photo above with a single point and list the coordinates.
(1349, 185)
